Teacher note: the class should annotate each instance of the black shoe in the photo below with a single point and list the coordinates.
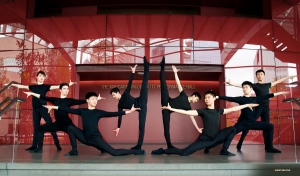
(206, 150)
(31, 148)
(140, 152)
(58, 147)
(146, 63)
(239, 146)
(102, 151)
(72, 153)
(37, 150)
(162, 63)
(273, 150)
(137, 147)
(159, 151)
(225, 152)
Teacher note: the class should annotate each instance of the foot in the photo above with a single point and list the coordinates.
(137, 147)
(102, 151)
(162, 63)
(31, 148)
(58, 147)
(146, 63)
(225, 152)
(159, 151)
(140, 152)
(72, 153)
(206, 150)
(37, 150)
(171, 146)
(239, 146)
(273, 150)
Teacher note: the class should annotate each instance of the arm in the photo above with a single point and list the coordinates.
(57, 86)
(232, 99)
(180, 111)
(177, 78)
(19, 86)
(68, 110)
(120, 118)
(78, 102)
(130, 79)
(195, 124)
(236, 108)
(235, 85)
(282, 79)
(42, 97)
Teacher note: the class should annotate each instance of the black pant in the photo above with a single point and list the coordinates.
(143, 101)
(225, 135)
(95, 141)
(37, 114)
(262, 111)
(50, 127)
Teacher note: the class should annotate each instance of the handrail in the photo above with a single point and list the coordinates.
(17, 99)
(7, 86)
(4, 101)
(296, 100)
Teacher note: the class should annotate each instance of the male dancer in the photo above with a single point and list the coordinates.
(180, 102)
(90, 134)
(38, 110)
(247, 119)
(126, 101)
(210, 134)
(260, 88)
(63, 120)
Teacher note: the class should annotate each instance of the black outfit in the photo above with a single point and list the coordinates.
(62, 118)
(210, 134)
(90, 134)
(180, 102)
(127, 101)
(247, 119)
(262, 110)
(39, 111)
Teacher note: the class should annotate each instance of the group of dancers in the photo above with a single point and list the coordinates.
(251, 109)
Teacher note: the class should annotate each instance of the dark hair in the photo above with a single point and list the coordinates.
(247, 83)
(258, 71)
(114, 90)
(197, 94)
(210, 92)
(90, 94)
(40, 72)
(63, 84)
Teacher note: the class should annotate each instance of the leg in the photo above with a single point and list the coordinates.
(265, 117)
(74, 133)
(242, 138)
(44, 113)
(142, 122)
(36, 123)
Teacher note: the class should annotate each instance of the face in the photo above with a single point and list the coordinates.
(260, 76)
(209, 99)
(64, 90)
(40, 78)
(92, 101)
(116, 96)
(247, 89)
(195, 99)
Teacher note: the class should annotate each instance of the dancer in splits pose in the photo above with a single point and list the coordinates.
(247, 119)
(90, 134)
(126, 101)
(263, 110)
(210, 134)
(38, 110)
(180, 102)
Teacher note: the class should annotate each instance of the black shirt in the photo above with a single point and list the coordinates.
(62, 118)
(261, 90)
(180, 102)
(41, 89)
(211, 121)
(247, 115)
(90, 119)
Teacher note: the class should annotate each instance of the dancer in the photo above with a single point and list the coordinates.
(63, 121)
(210, 134)
(247, 120)
(38, 110)
(126, 101)
(260, 88)
(180, 102)
(90, 134)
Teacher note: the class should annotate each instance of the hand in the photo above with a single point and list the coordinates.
(252, 105)
(284, 93)
(72, 83)
(200, 130)
(292, 77)
(48, 107)
(133, 68)
(166, 107)
(100, 98)
(117, 131)
(134, 109)
(175, 70)
(28, 94)
(228, 82)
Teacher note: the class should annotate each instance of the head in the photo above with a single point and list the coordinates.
(260, 75)
(195, 97)
(209, 97)
(247, 87)
(64, 89)
(91, 99)
(115, 92)
(40, 76)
